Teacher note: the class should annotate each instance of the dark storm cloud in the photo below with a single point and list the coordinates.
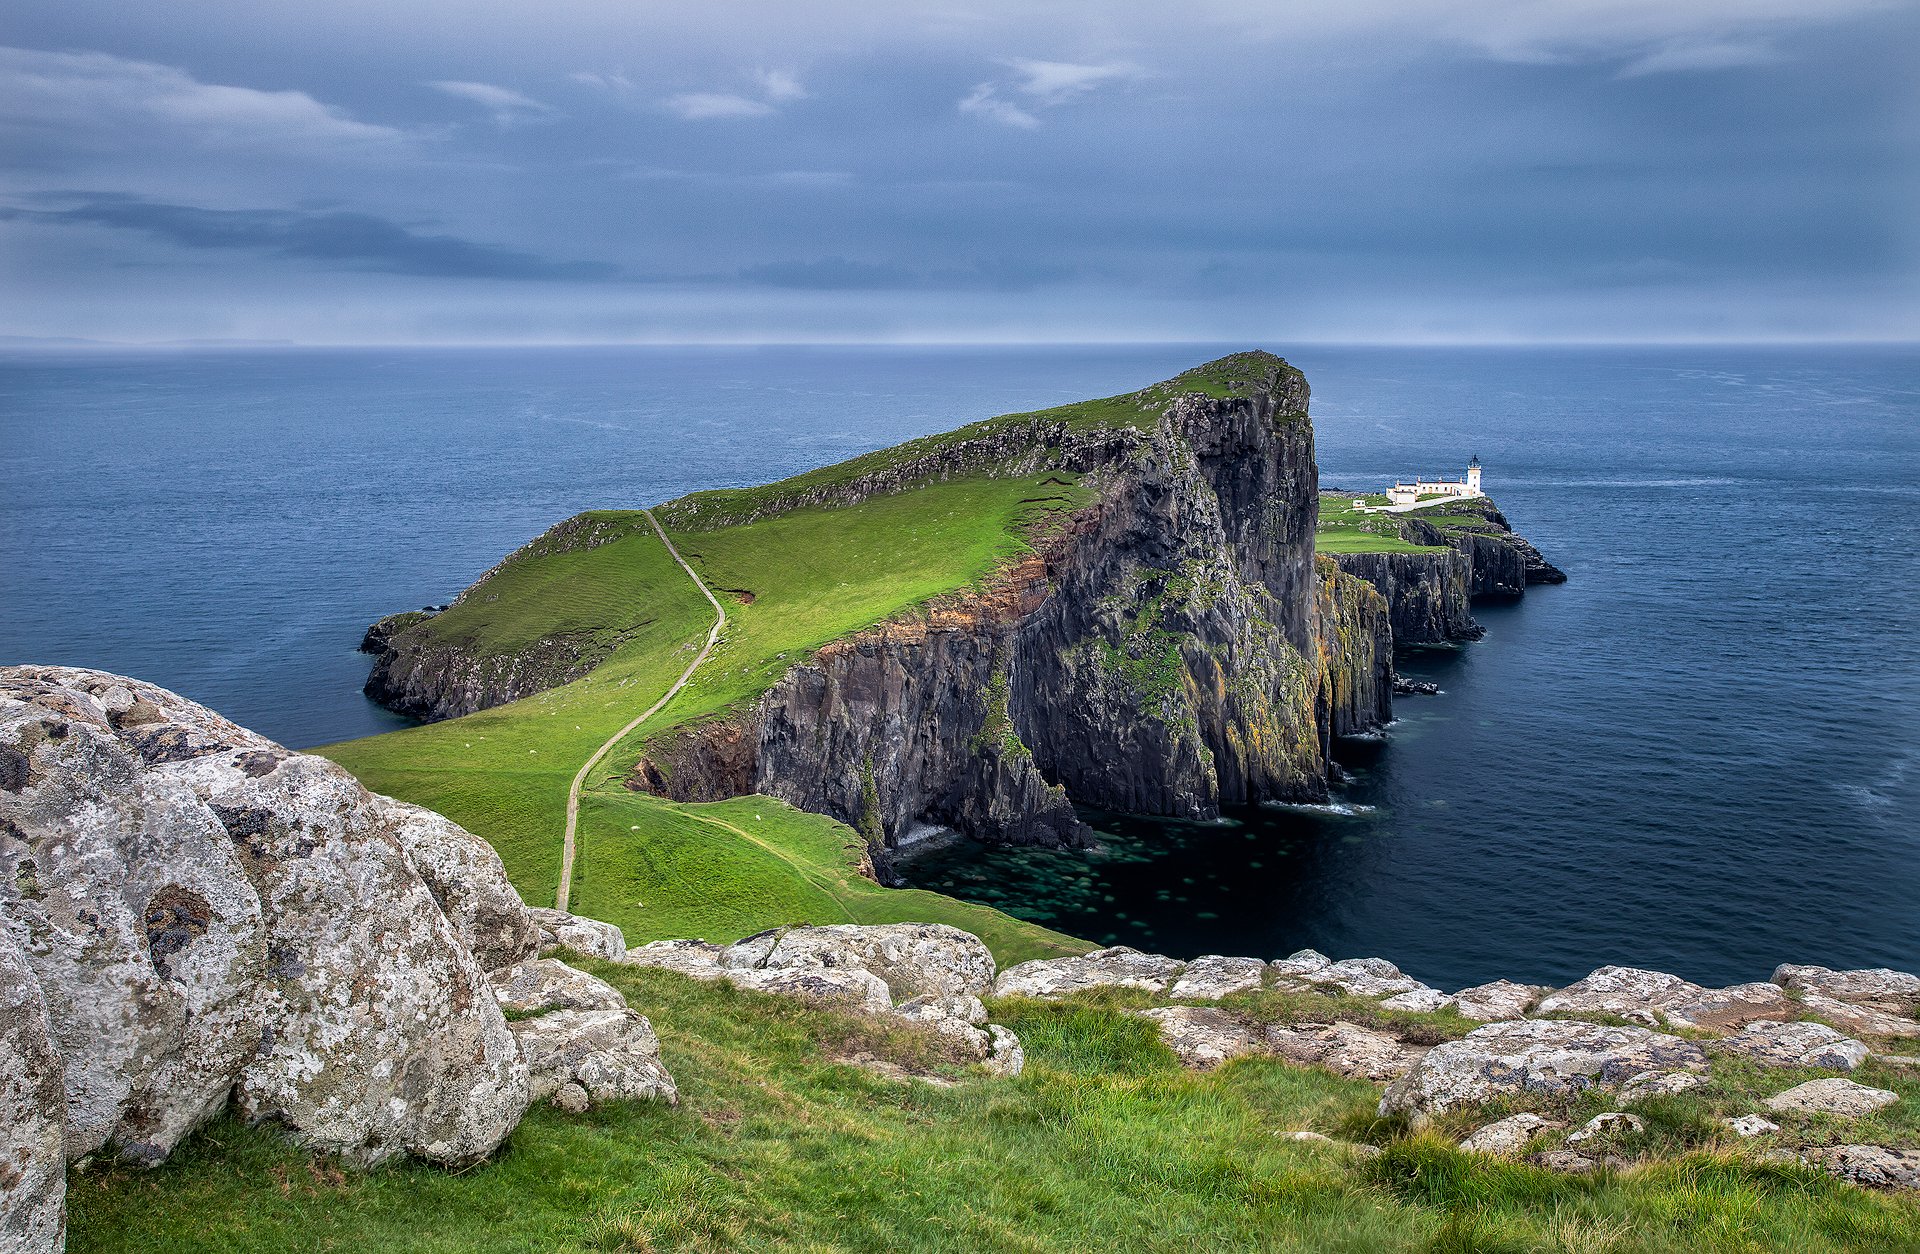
(337, 238)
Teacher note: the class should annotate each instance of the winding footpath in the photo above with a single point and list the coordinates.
(573, 794)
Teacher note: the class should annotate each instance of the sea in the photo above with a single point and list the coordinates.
(1698, 755)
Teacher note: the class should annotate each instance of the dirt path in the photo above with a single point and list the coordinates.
(573, 794)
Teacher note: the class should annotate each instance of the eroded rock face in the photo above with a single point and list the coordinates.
(1794, 1045)
(1211, 977)
(1833, 1097)
(607, 1055)
(1118, 966)
(33, 1160)
(1717, 1009)
(207, 913)
(549, 984)
(1361, 977)
(1626, 992)
(1865, 1020)
(1548, 1057)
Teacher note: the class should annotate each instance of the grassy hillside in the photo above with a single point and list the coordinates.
(1103, 1143)
(1344, 529)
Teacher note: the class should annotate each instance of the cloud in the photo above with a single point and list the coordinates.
(1044, 84)
(1711, 54)
(780, 85)
(97, 100)
(506, 105)
(337, 239)
(698, 105)
(984, 102)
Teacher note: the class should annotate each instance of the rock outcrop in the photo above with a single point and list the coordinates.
(33, 1102)
(1540, 1057)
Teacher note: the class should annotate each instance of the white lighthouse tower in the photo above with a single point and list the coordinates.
(1473, 476)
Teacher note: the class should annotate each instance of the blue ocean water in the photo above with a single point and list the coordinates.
(1698, 755)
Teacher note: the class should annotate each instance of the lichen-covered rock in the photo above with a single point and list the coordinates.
(929, 1007)
(612, 1055)
(1005, 1056)
(1833, 1096)
(1870, 1166)
(1419, 1001)
(1116, 967)
(1355, 1052)
(1364, 977)
(1750, 1125)
(1536, 1056)
(1624, 992)
(1794, 1045)
(468, 881)
(1862, 1019)
(1301, 962)
(207, 913)
(33, 1161)
(590, 938)
(549, 984)
(697, 958)
(912, 959)
(845, 988)
(1660, 1084)
(1508, 1136)
(1895, 992)
(1203, 1036)
(1718, 1009)
(1211, 977)
(1497, 1001)
(1604, 1126)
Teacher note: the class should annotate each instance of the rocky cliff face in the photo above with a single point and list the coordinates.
(1161, 654)
(1356, 650)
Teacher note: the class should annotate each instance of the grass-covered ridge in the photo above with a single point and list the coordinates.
(1344, 529)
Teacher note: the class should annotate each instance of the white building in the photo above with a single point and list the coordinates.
(1409, 493)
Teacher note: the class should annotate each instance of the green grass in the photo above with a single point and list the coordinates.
(1104, 1143)
(1343, 529)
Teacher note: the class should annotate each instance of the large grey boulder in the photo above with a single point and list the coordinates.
(1345, 1048)
(208, 914)
(1118, 966)
(1497, 1001)
(911, 959)
(1623, 992)
(1794, 1045)
(33, 1160)
(1832, 1096)
(1536, 1056)
(591, 938)
(1884, 989)
(593, 1056)
(1508, 1136)
(842, 988)
(468, 882)
(1863, 1020)
(1212, 976)
(549, 984)
(1359, 977)
(697, 958)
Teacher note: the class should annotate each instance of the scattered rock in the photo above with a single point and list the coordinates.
(588, 937)
(1870, 1166)
(1866, 1020)
(1420, 1000)
(571, 1098)
(1498, 1001)
(1894, 992)
(33, 1101)
(1833, 1097)
(912, 959)
(1202, 1036)
(697, 958)
(1005, 1057)
(1660, 1084)
(1212, 977)
(846, 989)
(549, 984)
(1751, 1125)
(1351, 1051)
(1611, 1124)
(1536, 1056)
(1794, 1045)
(1508, 1136)
(611, 1055)
(1318, 1138)
(1116, 967)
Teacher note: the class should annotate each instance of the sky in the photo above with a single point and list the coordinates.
(565, 171)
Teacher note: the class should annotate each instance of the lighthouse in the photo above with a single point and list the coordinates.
(1473, 475)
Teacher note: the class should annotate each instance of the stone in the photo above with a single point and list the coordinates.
(611, 1055)
(931, 1007)
(1317, 1138)
(468, 882)
(1864, 1020)
(1751, 1125)
(697, 958)
(912, 959)
(589, 938)
(1794, 1045)
(1832, 1096)
(842, 989)
(1351, 1051)
(571, 1098)
(1420, 1001)
(1116, 967)
(1534, 1056)
(1364, 977)
(1571, 1162)
(1870, 1166)
(33, 1103)
(1611, 1124)
(549, 984)
(1005, 1056)
(1717, 1009)
(1622, 992)
(1301, 962)
(1884, 989)
(1508, 1136)
(1500, 1000)
(1203, 1036)
(211, 916)
(1660, 1084)
(1211, 977)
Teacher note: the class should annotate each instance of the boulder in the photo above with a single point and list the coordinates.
(1508, 1136)
(468, 882)
(1750, 1125)
(697, 958)
(1622, 992)
(1115, 967)
(1500, 1000)
(1203, 1036)
(590, 938)
(1884, 989)
(33, 1101)
(912, 959)
(1794, 1045)
(1718, 1009)
(1606, 1126)
(1660, 1084)
(1832, 1096)
(1299, 963)
(1573, 1163)
(1005, 1057)
(1351, 1051)
(1870, 1166)
(931, 1007)
(610, 1055)
(1364, 977)
(840, 988)
(549, 984)
(208, 914)
(1535, 1056)
(1211, 977)
(1865, 1020)
(1420, 1001)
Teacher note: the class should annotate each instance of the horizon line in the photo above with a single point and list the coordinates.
(77, 343)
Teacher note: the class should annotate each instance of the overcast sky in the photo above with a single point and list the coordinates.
(589, 170)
